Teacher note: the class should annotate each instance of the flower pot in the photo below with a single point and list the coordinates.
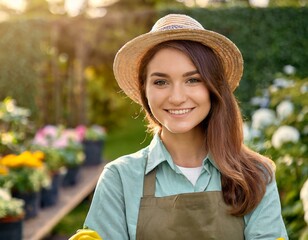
(72, 176)
(50, 195)
(93, 152)
(11, 228)
(32, 202)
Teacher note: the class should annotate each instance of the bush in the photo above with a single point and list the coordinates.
(267, 38)
(279, 130)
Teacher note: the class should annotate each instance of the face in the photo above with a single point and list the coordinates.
(177, 95)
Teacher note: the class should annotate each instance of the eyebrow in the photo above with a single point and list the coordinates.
(159, 74)
(190, 73)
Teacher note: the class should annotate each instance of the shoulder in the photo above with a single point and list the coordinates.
(129, 164)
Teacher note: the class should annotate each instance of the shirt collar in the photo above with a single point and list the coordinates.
(158, 153)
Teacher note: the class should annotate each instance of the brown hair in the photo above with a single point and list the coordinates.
(244, 173)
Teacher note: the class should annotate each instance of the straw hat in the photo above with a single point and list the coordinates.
(174, 27)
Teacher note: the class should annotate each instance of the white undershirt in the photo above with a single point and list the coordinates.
(192, 174)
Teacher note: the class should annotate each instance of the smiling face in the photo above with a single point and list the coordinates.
(176, 93)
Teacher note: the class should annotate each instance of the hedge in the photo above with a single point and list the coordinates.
(268, 38)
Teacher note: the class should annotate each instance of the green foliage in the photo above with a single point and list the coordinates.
(47, 71)
(129, 139)
(14, 126)
(268, 38)
(285, 141)
(19, 59)
(53, 159)
(10, 207)
(72, 154)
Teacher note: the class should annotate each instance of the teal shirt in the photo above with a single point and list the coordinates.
(115, 205)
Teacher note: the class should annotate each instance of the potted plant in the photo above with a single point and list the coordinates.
(68, 144)
(26, 176)
(11, 216)
(44, 141)
(73, 157)
(15, 126)
(93, 139)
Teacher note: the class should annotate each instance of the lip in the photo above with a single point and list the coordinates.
(179, 112)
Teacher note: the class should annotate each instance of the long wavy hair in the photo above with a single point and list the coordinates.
(244, 173)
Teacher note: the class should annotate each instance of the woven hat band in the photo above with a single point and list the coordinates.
(173, 21)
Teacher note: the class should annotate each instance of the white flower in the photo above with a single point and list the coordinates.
(304, 88)
(284, 109)
(283, 135)
(260, 101)
(259, 3)
(283, 83)
(304, 198)
(246, 131)
(287, 159)
(263, 117)
(4, 194)
(250, 133)
(273, 88)
(7, 138)
(288, 69)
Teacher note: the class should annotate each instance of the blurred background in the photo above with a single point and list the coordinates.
(56, 61)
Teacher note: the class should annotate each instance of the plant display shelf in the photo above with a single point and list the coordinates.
(37, 228)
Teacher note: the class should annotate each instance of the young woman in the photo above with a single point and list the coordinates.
(196, 179)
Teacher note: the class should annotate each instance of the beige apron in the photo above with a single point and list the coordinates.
(185, 216)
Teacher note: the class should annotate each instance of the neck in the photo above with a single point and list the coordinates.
(187, 149)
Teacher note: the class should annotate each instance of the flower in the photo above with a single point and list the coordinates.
(260, 101)
(26, 172)
(289, 69)
(283, 83)
(285, 143)
(52, 158)
(284, 109)
(15, 126)
(10, 207)
(262, 118)
(94, 132)
(285, 134)
(66, 141)
(304, 198)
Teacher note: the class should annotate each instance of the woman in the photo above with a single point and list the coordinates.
(196, 180)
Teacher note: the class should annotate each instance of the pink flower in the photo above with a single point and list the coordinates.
(50, 131)
(60, 143)
(81, 131)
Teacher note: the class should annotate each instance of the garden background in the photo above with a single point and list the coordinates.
(59, 66)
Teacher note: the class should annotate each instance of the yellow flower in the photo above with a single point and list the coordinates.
(39, 155)
(280, 238)
(86, 234)
(29, 159)
(25, 159)
(11, 161)
(3, 170)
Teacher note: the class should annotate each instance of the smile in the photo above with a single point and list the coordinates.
(179, 111)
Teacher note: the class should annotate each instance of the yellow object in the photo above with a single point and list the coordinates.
(85, 234)
(280, 239)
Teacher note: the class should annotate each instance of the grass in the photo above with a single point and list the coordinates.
(127, 139)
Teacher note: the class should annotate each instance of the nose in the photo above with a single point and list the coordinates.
(177, 95)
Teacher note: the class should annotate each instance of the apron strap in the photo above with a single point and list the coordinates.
(149, 183)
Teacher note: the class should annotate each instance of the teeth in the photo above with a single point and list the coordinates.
(178, 112)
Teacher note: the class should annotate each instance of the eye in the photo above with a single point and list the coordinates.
(160, 82)
(194, 80)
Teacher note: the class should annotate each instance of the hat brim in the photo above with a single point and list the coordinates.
(127, 61)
